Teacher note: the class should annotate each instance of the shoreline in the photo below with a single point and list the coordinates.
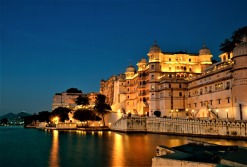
(139, 132)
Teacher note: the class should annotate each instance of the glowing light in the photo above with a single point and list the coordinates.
(55, 120)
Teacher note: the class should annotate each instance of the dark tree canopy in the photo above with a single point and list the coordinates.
(101, 107)
(82, 100)
(229, 44)
(73, 90)
(61, 112)
(4, 121)
(44, 116)
(84, 115)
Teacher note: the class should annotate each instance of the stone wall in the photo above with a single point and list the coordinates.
(224, 128)
(130, 124)
(198, 127)
(159, 161)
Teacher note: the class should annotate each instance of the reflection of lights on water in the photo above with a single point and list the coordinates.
(54, 156)
(118, 154)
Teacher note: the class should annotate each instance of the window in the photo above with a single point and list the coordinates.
(152, 66)
(201, 91)
(195, 104)
(152, 76)
(219, 101)
(170, 59)
(189, 60)
(128, 89)
(180, 85)
(211, 102)
(228, 100)
(128, 97)
(170, 68)
(180, 94)
(227, 85)
(190, 69)
(169, 85)
(210, 88)
(201, 103)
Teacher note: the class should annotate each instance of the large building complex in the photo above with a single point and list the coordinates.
(180, 84)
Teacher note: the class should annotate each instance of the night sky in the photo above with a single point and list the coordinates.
(48, 46)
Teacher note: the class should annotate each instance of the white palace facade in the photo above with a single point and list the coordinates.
(180, 84)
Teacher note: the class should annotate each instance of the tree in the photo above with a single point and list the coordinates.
(82, 100)
(157, 113)
(61, 112)
(101, 107)
(4, 121)
(44, 116)
(73, 90)
(229, 44)
(85, 115)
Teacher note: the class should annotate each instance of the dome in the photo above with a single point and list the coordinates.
(143, 61)
(130, 69)
(241, 49)
(204, 51)
(155, 48)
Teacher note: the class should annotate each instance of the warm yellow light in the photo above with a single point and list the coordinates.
(226, 110)
(55, 120)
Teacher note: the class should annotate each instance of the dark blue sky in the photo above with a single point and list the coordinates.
(50, 46)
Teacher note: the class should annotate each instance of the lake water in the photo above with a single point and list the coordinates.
(38, 148)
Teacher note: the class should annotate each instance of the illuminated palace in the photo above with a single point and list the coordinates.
(180, 84)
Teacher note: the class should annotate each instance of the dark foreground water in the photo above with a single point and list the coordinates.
(38, 148)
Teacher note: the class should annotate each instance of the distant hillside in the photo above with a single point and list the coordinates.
(11, 116)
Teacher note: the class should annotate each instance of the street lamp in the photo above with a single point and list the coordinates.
(177, 112)
(217, 112)
(187, 111)
(172, 112)
(192, 113)
(227, 113)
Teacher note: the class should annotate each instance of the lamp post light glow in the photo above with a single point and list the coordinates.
(56, 120)
(217, 112)
(177, 112)
(192, 113)
(172, 112)
(227, 113)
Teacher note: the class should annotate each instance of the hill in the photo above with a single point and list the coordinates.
(12, 116)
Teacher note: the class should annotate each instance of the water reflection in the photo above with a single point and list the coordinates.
(54, 156)
(117, 154)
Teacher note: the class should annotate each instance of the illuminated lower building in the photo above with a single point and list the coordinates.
(65, 99)
(180, 84)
